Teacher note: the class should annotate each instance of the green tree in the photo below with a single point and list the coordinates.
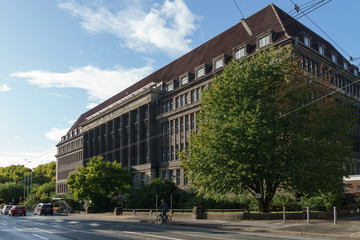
(13, 173)
(98, 181)
(264, 125)
(45, 173)
(144, 195)
(9, 191)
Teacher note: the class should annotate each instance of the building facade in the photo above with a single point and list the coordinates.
(144, 126)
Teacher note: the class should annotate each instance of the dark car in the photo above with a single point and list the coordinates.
(44, 208)
(17, 210)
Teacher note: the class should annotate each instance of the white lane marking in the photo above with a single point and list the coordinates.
(150, 235)
(40, 237)
(18, 229)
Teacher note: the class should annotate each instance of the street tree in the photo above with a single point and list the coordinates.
(98, 181)
(265, 124)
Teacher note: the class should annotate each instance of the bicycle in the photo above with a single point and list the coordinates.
(167, 219)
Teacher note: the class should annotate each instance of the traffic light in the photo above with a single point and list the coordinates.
(16, 181)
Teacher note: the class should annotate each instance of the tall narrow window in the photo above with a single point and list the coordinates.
(334, 58)
(307, 41)
(186, 99)
(322, 50)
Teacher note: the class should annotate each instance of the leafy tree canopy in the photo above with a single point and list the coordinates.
(265, 124)
(45, 173)
(99, 180)
(13, 173)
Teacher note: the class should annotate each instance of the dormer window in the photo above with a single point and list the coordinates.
(334, 58)
(200, 72)
(184, 80)
(218, 64)
(307, 41)
(356, 72)
(346, 67)
(264, 41)
(322, 50)
(170, 87)
(240, 53)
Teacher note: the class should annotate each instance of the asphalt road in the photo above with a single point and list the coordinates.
(68, 227)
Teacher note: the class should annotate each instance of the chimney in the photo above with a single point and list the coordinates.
(246, 26)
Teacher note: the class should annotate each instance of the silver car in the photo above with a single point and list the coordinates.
(5, 209)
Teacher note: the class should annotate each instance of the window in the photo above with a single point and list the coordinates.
(181, 124)
(181, 100)
(356, 72)
(322, 50)
(186, 98)
(218, 63)
(240, 53)
(192, 121)
(264, 41)
(192, 96)
(200, 72)
(358, 188)
(186, 123)
(334, 58)
(176, 126)
(163, 154)
(198, 94)
(172, 127)
(163, 174)
(143, 177)
(172, 153)
(177, 102)
(171, 105)
(177, 176)
(346, 66)
(184, 80)
(171, 174)
(146, 113)
(170, 87)
(307, 41)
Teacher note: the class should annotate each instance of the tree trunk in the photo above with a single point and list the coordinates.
(264, 205)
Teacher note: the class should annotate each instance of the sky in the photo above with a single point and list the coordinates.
(60, 58)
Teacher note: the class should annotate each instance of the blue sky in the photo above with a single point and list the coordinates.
(60, 58)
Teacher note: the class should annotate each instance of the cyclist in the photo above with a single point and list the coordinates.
(165, 208)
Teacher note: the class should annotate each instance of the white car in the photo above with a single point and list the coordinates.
(5, 209)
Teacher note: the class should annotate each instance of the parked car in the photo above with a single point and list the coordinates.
(5, 209)
(44, 208)
(17, 210)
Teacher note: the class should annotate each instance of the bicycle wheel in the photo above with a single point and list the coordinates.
(168, 220)
(159, 219)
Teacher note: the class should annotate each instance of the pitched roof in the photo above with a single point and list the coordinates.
(269, 18)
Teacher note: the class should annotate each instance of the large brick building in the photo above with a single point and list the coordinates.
(144, 126)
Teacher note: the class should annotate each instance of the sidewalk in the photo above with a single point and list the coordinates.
(346, 228)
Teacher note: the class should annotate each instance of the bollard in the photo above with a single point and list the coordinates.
(284, 214)
(335, 215)
(307, 215)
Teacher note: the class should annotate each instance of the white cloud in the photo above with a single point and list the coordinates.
(100, 84)
(166, 27)
(55, 134)
(59, 95)
(28, 159)
(4, 88)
